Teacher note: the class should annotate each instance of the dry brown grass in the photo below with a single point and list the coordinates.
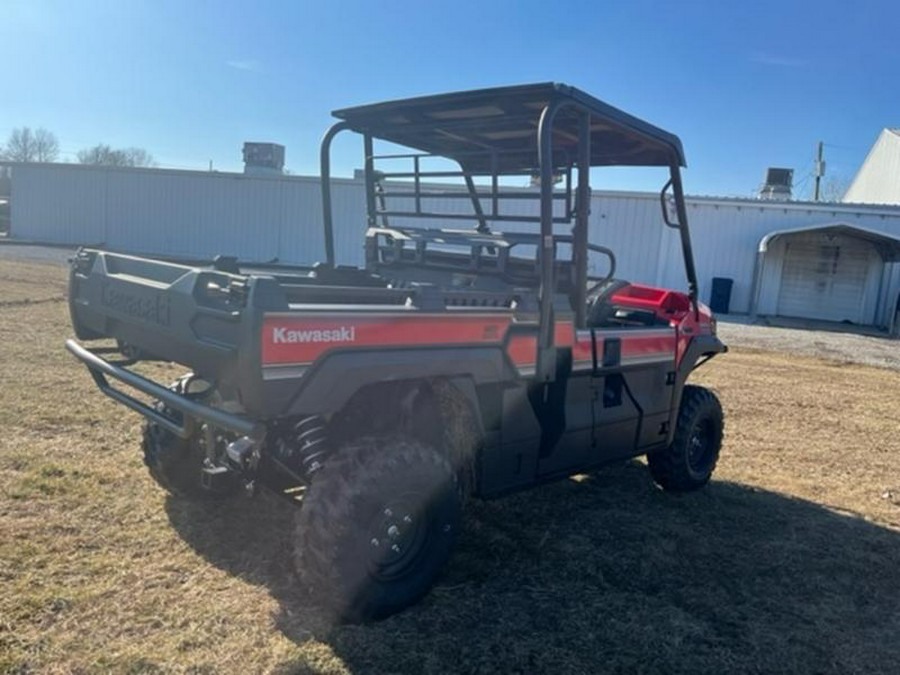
(24, 283)
(787, 562)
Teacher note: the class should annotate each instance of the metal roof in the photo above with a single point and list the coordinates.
(887, 245)
(496, 129)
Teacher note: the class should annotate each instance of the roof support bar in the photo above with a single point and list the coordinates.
(369, 152)
(686, 248)
(545, 370)
(325, 169)
(582, 212)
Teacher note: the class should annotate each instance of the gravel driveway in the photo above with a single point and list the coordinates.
(29, 253)
(872, 349)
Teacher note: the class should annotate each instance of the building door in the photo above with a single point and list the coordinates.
(825, 278)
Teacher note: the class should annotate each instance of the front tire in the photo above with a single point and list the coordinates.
(376, 527)
(688, 463)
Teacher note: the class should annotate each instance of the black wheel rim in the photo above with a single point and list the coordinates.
(700, 447)
(396, 539)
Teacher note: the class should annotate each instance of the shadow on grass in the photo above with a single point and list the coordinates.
(608, 574)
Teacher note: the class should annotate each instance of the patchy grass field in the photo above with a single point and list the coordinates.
(789, 561)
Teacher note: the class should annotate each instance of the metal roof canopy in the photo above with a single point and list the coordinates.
(888, 246)
(496, 130)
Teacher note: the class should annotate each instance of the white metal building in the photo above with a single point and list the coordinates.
(878, 179)
(834, 262)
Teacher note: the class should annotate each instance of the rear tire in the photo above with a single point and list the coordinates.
(376, 527)
(688, 463)
(176, 463)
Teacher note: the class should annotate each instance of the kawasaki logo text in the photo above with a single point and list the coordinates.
(283, 336)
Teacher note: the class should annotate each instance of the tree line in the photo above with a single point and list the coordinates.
(40, 145)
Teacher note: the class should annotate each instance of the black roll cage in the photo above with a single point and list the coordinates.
(658, 149)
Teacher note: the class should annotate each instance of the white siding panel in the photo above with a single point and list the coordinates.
(348, 201)
(196, 216)
(725, 239)
(300, 238)
(54, 204)
(632, 227)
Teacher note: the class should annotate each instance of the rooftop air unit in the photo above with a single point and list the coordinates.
(263, 159)
(778, 184)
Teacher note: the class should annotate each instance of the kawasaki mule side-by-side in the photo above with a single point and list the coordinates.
(474, 360)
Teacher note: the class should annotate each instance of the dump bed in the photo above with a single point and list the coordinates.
(255, 331)
(204, 318)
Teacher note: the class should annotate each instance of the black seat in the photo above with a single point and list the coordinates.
(600, 310)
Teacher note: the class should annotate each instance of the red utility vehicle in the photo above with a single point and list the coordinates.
(476, 360)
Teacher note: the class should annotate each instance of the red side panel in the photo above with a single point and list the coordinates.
(302, 340)
(691, 326)
(639, 344)
(582, 351)
(522, 349)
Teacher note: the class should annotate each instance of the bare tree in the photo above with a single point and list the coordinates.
(833, 188)
(139, 157)
(102, 154)
(25, 145)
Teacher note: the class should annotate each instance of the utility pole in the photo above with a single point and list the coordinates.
(820, 170)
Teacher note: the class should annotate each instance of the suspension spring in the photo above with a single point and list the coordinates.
(309, 436)
(302, 447)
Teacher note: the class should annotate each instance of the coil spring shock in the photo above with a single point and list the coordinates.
(302, 447)
(309, 436)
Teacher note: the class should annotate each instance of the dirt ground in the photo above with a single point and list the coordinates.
(28, 253)
(787, 562)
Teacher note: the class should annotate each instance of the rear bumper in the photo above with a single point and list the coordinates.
(192, 411)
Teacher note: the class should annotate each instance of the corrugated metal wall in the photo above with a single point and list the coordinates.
(177, 213)
(876, 181)
(186, 213)
(58, 205)
(726, 236)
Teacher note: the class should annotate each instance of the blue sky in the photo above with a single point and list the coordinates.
(745, 85)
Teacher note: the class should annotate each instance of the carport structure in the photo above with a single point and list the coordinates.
(836, 272)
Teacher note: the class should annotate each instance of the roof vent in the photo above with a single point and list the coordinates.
(778, 184)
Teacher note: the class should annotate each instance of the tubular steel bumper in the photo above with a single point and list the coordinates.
(101, 369)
